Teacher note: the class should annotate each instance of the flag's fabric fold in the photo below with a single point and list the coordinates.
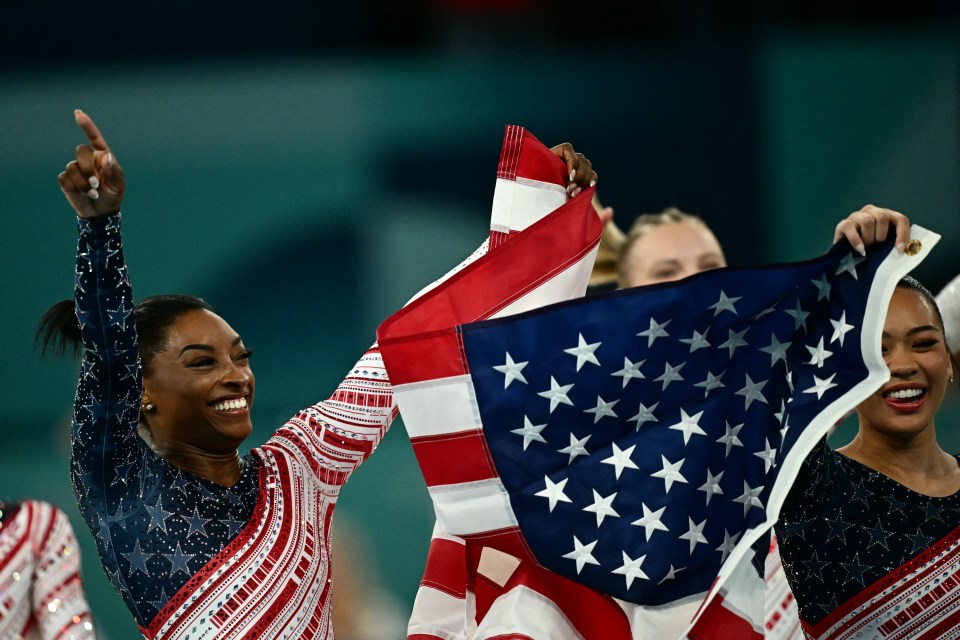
(628, 452)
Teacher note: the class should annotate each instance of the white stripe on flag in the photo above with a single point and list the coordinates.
(566, 285)
(473, 507)
(438, 407)
(518, 204)
(668, 621)
(524, 611)
(440, 615)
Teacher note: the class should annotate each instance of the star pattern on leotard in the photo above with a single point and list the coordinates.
(835, 542)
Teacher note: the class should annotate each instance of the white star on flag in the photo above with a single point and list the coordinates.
(582, 554)
(821, 386)
(712, 382)
(712, 485)
(602, 507)
(849, 265)
(631, 569)
(512, 371)
(530, 432)
(651, 520)
(645, 414)
(557, 394)
(768, 456)
(655, 331)
(724, 304)
(621, 459)
(554, 492)
(629, 371)
(695, 534)
(823, 288)
(670, 374)
(735, 340)
(840, 328)
(670, 472)
(777, 350)
(749, 498)
(697, 340)
(584, 352)
(751, 392)
(730, 438)
(671, 574)
(729, 542)
(799, 316)
(818, 354)
(688, 425)
(576, 448)
(602, 410)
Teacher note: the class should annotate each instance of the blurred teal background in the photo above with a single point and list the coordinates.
(307, 195)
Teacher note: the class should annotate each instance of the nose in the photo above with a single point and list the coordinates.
(236, 376)
(901, 363)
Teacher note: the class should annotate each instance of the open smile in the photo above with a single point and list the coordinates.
(230, 406)
(905, 399)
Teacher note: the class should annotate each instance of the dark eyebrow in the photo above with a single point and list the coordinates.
(206, 347)
(915, 330)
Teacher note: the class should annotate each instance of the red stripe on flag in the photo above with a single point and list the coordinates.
(446, 568)
(510, 152)
(536, 255)
(537, 162)
(454, 458)
(594, 615)
(425, 357)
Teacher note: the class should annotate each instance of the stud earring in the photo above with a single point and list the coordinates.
(149, 408)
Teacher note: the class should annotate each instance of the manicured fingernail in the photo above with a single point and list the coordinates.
(573, 172)
(593, 183)
(75, 111)
(94, 182)
(93, 194)
(109, 159)
(901, 247)
(860, 249)
(576, 192)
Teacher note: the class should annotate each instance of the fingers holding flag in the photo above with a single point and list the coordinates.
(872, 224)
(580, 170)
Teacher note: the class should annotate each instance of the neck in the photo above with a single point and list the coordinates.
(222, 468)
(915, 461)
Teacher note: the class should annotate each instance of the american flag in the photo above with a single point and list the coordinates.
(639, 443)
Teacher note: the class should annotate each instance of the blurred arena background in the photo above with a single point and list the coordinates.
(307, 166)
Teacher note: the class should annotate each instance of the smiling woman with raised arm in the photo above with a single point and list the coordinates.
(200, 541)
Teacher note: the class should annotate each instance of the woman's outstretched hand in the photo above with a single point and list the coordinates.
(93, 183)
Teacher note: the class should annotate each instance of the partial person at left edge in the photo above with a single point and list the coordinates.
(41, 591)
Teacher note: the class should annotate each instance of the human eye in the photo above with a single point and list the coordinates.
(202, 361)
(244, 356)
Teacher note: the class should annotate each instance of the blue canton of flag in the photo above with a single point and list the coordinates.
(639, 434)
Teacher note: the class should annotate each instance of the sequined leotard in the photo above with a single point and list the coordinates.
(192, 558)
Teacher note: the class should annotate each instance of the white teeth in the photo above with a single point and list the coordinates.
(903, 394)
(226, 405)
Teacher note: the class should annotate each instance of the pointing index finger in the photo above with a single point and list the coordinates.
(89, 129)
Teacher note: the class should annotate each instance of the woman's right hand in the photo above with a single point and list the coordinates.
(93, 183)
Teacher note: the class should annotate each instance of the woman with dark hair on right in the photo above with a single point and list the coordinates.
(870, 532)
